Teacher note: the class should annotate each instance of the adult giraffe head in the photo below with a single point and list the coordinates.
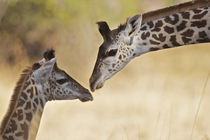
(116, 51)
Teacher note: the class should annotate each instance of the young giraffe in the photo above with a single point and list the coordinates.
(37, 85)
(135, 38)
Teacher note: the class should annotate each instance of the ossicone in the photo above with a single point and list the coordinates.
(49, 54)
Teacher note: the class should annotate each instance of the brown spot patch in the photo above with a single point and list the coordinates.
(181, 26)
(151, 24)
(159, 37)
(154, 49)
(145, 35)
(186, 40)
(173, 41)
(199, 24)
(202, 34)
(165, 46)
(185, 15)
(173, 19)
(199, 16)
(154, 42)
(168, 29)
(29, 116)
(188, 33)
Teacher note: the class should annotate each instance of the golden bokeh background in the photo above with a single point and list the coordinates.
(158, 96)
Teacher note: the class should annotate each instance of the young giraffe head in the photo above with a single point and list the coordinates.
(58, 85)
(116, 51)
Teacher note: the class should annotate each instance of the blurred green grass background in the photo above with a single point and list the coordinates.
(155, 97)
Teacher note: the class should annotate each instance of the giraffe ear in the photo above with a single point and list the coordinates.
(43, 73)
(133, 25)
(103, 28)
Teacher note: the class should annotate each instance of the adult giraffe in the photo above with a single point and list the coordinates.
(42, 83)
(178, 25)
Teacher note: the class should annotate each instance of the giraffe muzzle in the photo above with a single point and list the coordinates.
(86, 96)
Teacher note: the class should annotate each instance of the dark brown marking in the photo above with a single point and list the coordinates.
(10, 138)
(28, 105)
(198, 24)
(154, 49)
(24, 127)
(36, 101)
(20, 102)
(27, 83)
(203, 40)
(36, 66)
(20, 114)
(143, 28)
(28, 116)
(181, 26)
(158, 26)
(19, 134)
(185, 15)
(145, 35)
(199, 16)
(41, 102)
(173, 41)
(156, 29)
(186, 40)
(202, 34)
(154, 42)
(165, 46)
(24, 96)
(33, 82)
(34, 106)
(168, 19)
(36, 91)
(13, 126)
(196, 11)
(151, 24)
(168, 29)
(188, 33)
(120, 57)
(160, 37)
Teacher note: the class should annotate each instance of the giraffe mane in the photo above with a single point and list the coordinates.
(14, 99)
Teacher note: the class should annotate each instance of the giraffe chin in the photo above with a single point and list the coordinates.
(96, 85)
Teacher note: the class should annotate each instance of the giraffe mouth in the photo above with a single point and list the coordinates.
(86, 97)
(96, 84)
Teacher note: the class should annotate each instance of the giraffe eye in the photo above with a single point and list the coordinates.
(111, 52)
(61, 81)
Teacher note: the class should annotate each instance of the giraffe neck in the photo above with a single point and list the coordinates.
(25, 118)
(188, 27)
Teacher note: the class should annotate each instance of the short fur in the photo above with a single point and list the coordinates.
(14, 99)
